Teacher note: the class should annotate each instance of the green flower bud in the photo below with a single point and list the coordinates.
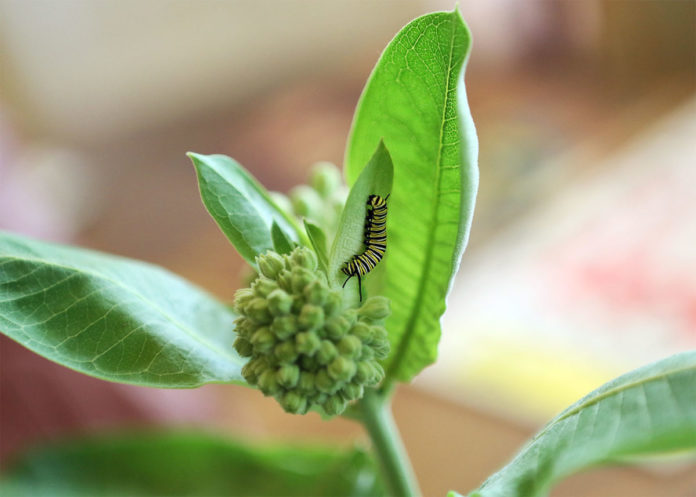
(304, 257)
(381, 348)
(327, 352)
(324, 382)
(248, 373)
(284, 327)
(286, 352)
(349, 346)
(288, 375)
(263, 286)
(333, 304)
(305, 201)
(263, 340)
(352, 391)
(293, 402)
(363, 372)
(334, 405)
(279, 302)
(311, 317)
(379, 333)
(257, 310)
(315, 293)
(336, 327)
(268, 383)
(351, 317)
(270, 264)
(306, 382)
(320, 398)
(341, 369)
(326, 178)
(367, 353)
(307, 342)
(378, 373)
(362, 332)
(244, 327)
(243, 347)
(301, 277)
(285, 280)
(375, 308)
(308, 363)
(242, 297)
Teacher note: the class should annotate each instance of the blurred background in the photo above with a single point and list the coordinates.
(582, 261)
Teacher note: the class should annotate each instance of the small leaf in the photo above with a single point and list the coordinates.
(415, 100)
(375, 179)
(281, 243)
(645, 412)
(317, 238)
(114, 318)
(242, 208)
(187, 464)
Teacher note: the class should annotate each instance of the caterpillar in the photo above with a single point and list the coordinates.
(375, 241)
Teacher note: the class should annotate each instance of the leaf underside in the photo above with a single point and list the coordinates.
(648, 411)
(415, 101)
(113, 318)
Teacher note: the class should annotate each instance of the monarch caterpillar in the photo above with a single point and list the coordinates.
(375, 241)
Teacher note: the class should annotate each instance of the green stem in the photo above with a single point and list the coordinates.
(379, 423)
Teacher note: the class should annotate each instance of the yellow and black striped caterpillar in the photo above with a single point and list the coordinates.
(375, 241)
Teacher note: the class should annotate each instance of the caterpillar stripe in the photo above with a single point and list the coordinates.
(375, 241)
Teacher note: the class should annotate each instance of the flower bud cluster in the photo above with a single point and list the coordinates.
(322, 202)
(305, 349)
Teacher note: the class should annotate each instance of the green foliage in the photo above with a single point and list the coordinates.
(645, 412)
(317, 238)
(242, 208)
(113, 318)
(415, 101)
(180, 464)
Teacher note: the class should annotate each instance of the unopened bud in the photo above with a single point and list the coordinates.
(279, 302)
(301, 277)
(326, 178)
(263, 286)
(349, 346)
(352, 391)
(307, 342)
(324, 382)
(306, 381)
(285, 352)
(242, 297)
(333, 304)
(294, 403)
(305, 201)
(336, 327)
(270, 264)
(334, 405)
(243, 347)
(315, 293)
(375, 308)
(284, 326)
(257, 310)
(341, 369)
(268, 383)
(311, 317)
(288, 375)
(263, 340)
(363, 332)
(327, 352)
(304, 257)
(285, 280)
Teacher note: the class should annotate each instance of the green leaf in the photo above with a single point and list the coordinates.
(281, 243)
(113, 318)
(375, 179)
(415, 101)
(242, 208)
(317, 238)
(187, 464)
(645, 412)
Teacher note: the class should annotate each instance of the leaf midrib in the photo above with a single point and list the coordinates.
(610, 393)
(410, 324)
(195, 336)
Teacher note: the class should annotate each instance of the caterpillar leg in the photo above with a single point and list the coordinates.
(349, 277)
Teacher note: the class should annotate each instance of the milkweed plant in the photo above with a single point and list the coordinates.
(349, 283)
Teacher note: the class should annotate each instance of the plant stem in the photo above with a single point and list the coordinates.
(379, 423)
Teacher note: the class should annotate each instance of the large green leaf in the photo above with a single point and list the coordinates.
(375, 179)
(242, 208)
(174, 465)
(645, 412)
(415, 101)
(113, 318)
